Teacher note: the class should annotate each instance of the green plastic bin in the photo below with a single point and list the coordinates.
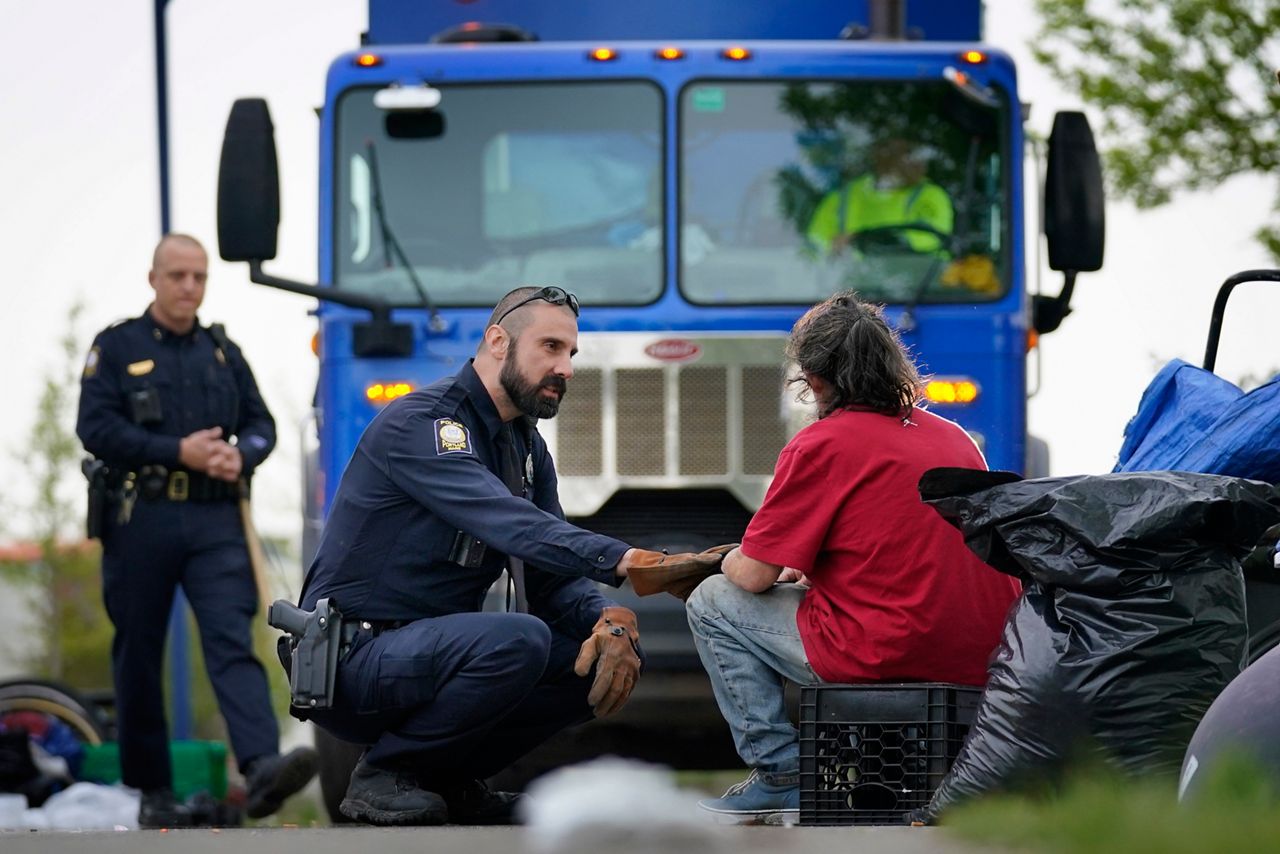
(198, 766)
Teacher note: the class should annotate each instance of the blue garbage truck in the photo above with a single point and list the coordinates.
(698, 173)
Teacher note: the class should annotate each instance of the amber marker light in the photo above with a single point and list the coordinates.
(380, 394)
(604, 54)
(737, 53)
(315, 343)
(670, 53)
(959, 391)
(368, 60)
(973, 57)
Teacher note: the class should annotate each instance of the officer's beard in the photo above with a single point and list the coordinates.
(527, 396)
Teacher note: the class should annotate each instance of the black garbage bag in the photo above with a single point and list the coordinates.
(1132, 616)
(19, 773)
(1260, 565)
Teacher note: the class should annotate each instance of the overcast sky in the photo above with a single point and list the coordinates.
(80, 215)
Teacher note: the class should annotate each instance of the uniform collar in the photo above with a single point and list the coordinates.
(480, 398)
(160, 333)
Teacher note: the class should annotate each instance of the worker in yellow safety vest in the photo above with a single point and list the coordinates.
(894, 196)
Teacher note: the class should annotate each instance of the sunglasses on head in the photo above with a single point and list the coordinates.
(553, 295)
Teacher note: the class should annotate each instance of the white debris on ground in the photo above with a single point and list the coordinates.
(616, 804)
(82, 806)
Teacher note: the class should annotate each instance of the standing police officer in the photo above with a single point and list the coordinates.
(447, 485)
(161, 401)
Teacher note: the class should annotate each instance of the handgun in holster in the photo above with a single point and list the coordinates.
(309, 651)
(95, 471)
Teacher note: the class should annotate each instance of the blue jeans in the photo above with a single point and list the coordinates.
(749, 645)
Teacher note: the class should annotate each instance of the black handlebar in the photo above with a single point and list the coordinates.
(1220, 307)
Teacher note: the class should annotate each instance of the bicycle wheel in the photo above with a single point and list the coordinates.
(57, 701)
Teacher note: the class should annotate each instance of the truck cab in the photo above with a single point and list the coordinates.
(698, 175)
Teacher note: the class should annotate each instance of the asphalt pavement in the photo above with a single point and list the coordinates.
(480, 840)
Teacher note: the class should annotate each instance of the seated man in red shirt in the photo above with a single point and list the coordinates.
(843, 575)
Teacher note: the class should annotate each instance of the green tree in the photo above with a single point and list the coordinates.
(53, 451)
(1186, 90)
(76, 633)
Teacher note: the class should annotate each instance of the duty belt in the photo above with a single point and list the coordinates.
(157, 483)
(372, 628)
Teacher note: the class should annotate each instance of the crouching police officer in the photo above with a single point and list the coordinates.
(161, 399)
(447, 485)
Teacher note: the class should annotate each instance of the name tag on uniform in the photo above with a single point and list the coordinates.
(451, 437)
(138, 369)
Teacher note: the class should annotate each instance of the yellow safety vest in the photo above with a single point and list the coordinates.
(860, 206)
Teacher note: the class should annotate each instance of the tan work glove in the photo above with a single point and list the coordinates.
(613, 648)
(655, 572)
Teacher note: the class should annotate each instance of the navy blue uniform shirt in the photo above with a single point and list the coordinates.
(427, 467)
(199, 384)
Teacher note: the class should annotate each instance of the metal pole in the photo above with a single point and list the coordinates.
(162, 111)
(888, 19)
(179, 665)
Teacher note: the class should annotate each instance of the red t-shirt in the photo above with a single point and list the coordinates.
(896, 595)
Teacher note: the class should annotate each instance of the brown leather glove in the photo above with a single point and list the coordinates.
(614, 649)
(655, 572)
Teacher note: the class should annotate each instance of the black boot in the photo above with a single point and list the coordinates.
(473, 802)
(383, 797)
(272, 779)
(160, 808)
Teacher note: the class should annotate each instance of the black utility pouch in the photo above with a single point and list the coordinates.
(152, 482)
(467, 550)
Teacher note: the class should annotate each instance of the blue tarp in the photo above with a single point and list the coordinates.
(1190, 419)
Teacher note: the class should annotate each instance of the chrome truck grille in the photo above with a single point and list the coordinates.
(646, 411)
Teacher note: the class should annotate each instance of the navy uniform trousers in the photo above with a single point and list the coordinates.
(457, 697)
(199, 545)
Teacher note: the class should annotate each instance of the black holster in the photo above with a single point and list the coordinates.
(95, 471)
(309, 651)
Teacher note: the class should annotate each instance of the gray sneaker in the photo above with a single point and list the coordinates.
(762, 798)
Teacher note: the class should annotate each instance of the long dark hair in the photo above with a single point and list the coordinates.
(847, 343)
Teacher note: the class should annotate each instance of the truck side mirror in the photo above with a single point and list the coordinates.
(248, 184)
(1074, 213)
(249, 223)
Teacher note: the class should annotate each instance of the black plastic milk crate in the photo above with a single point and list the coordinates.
(870, 753)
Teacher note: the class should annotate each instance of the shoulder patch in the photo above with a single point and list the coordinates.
(451, 437)
(91, 362)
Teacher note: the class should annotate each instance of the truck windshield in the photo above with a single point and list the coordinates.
(506, 185)
(794, 190)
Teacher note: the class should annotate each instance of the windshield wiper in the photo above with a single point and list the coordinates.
(393, 253)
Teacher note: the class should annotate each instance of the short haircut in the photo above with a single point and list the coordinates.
(517, 320)
(175, 237)
(849, 344)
